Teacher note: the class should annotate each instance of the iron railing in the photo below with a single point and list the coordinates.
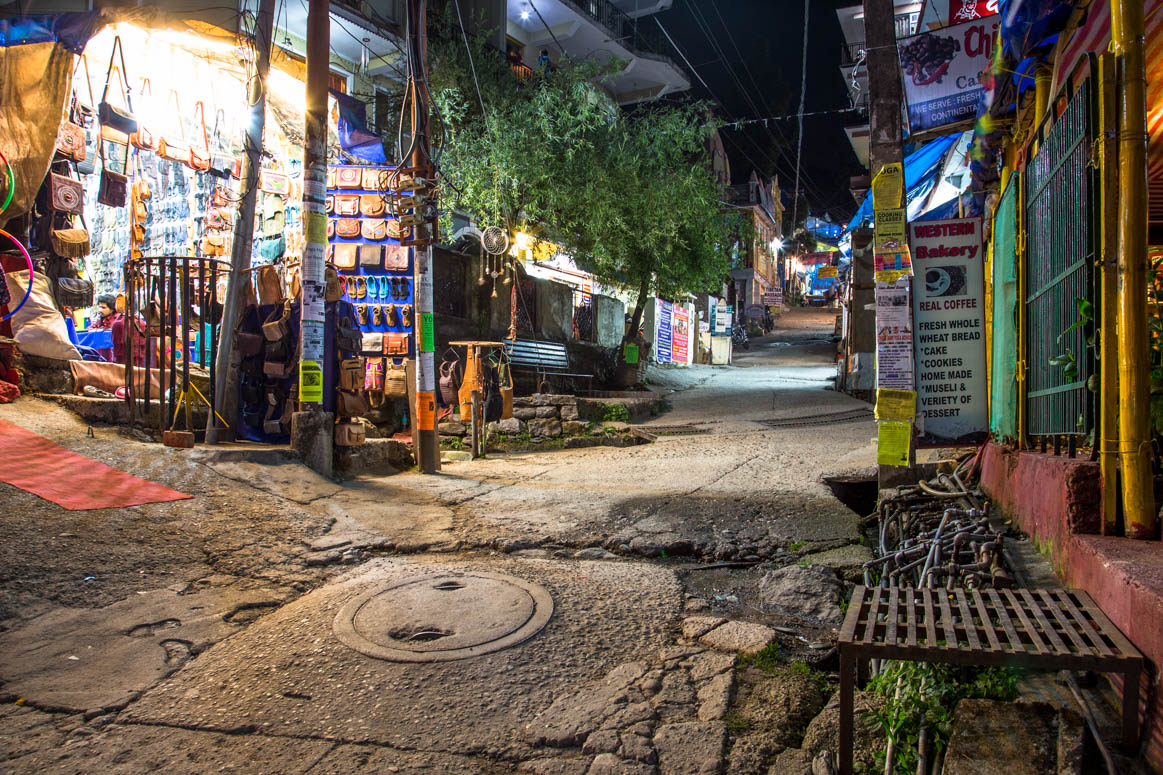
(1061, 241)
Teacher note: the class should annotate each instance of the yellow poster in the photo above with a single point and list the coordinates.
(888, 187)
(892, 266)
(895, 404)
(890, 228)
(825, 272)
(892, 443)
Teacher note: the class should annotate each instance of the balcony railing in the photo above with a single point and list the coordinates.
(644, 38)
(905, 24)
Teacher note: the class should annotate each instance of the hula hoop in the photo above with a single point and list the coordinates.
(11, 184)
(31, 271)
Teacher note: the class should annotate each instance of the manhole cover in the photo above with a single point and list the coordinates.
(443, 617)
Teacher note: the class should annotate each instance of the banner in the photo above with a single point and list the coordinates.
(664, 332)
(949, 318)
(941, 71)
(680, 341)
(827, 272)
(968, 10)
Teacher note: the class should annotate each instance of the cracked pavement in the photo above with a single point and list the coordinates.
(196, 636)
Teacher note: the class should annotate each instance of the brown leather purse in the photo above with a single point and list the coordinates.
(371, 205)
(395, 343)
(373, 228)
(376, 178)
(347, 204)
(395, 230)
(346, 255)
(371, 256)
(347, 177)
(200, 157)
(350, 433)
(347, 228)
(71, 141)
(395, 258)
(65, 194)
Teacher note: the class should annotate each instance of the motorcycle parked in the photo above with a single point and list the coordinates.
(739, 336)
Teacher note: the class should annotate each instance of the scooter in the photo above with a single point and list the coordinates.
(739, 336)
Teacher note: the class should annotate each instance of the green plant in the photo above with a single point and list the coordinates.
(1067, 360)
(807, 671)
(769, 659)
(615, 413)
(736, 723)
(795, 546)
(920, 694)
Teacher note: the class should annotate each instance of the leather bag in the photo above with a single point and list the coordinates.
(375, 178)
(350, 433)
(373, 228)
(352, 372)
(346, 255)
(396, 343)
(114, 189)
(371, 205)
(347, 204)
(270, 287)
(276, 327)
(74, 292)
(200, 157)
(348, 338)
(373, 378)
(347, 177)
(143, 139)
(175, 147)
(347, 228)
(71, 141)
(65, 194)
(372, 342)
(351, 403)
(70, 243)
(119, 119)
(332, 290)
(395, 380)
(330, 228)
(395, 230)
(274, 183)
(395, 258)
(371, 256)
(449, 382)
(213, 245)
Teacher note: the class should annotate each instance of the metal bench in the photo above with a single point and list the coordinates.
(545, 359)
(1038, 629)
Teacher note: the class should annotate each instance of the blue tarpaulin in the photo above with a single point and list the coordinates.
(71, 30)
(354, 136)
(921, 169)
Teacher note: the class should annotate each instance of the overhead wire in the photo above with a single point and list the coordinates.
(800, 134)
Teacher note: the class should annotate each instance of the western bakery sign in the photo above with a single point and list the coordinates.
(949, 325)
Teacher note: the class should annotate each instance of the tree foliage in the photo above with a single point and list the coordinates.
(629, 195)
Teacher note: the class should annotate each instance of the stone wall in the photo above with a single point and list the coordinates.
(542, 416)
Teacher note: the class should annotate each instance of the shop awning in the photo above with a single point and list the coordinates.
(922, 168)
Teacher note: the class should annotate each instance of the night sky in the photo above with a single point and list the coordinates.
(755, 72)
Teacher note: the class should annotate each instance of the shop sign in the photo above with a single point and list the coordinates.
(826, 272)
(663, 332)
(681, 340)
(724, 318)
(942, 70)
(773, 298)
(817, 259)
(755, 311)
(949, 321)
(968, 10)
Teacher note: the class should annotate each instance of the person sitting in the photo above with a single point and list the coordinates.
(107, 313)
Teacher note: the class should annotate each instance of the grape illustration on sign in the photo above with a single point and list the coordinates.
(942, 72)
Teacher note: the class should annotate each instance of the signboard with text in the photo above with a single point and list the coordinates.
(949, 326)
(664, 333)
(941, 71)
(774, 297)
(680, 341)
(724, 318)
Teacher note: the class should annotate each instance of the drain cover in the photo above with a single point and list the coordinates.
(443, 617)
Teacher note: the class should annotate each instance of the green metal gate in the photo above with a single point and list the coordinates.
(1061, 235)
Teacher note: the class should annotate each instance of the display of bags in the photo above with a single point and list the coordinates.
(350, 433)
(348, 338)
(346, 255)
(371, 256)
(395, 343)
(373, 228)
(395, 380)
(347, 228)
(347, 177)
(352, 373)
(65, 194)
(270, 286)
(347, 204)
(395, 258)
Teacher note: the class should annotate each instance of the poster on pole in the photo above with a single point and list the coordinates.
(941, 71)
(894, 337)
(681, 338)
(663, 333)
(949, 319)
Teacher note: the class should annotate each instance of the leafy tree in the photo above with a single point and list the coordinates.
(629, 195)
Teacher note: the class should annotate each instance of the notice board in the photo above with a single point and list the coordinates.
(949, 325)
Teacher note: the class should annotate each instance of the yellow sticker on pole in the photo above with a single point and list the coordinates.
(310, 382)
(315, 227)
(888, 187)
(892, 443)
(890, 230)
(895, 404)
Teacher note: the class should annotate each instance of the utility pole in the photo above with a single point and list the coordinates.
(311, 427)
(227, 357)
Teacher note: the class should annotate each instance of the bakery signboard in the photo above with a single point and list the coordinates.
(942, 72)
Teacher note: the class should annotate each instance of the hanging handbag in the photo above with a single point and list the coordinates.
(329, 204)
(352, 372)
(373, 228)
(371, 205)
(348, 338)
(371, 256)
(70, 243)
(277, 326)
(351, 403)
(395, 258)
(395, 343)
(347, 204)
(249, 345)
(119, 119)
(272, 248)
(347, 228)
(65, 194)
(376, 178)
(74, 292)
(222, 161)
(213, 245)
(395, 380)
(332, 290)
(350, 433)
(175, 148)
(274, 183)
(71, 136)
(372, 342)
(346, 255)
(347, 177)
(142, 138)
(200, 157)
(373, 375)
(270, 286)
(449, 383)
(114, 188)
(395, 230)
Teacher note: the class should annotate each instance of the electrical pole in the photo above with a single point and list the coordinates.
(311, 427)
(424, 412)
(227, 357)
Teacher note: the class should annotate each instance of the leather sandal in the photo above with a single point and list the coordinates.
(390, 310)
(377, 316)
(406, 316)
(361, 314)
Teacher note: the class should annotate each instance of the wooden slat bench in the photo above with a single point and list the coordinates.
(1037, 629)
(545, 359)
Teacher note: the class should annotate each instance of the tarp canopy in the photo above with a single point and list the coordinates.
(922, 168)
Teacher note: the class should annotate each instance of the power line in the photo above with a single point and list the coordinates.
(800, 135)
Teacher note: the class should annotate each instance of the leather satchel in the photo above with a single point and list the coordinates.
(347, 228)
(270, 287)
(200, 157)
(142, 138)
(371, 256)
(373, 375)
(119, 119)
(395, 343)
(213, 245)
(351, 403)
(348, 338)
(350, 433)
(71, 141)
(352, 372)
(65, 194)
(373, 228)
(347, 177)
(114, 189)
(395, 258)
(372, 342)
(276, 327)
(249, 345)
(376, 178)
(371, 205)
(346, 255)
(70, 243)
(347, 204)
(395, 230)
(332, 290)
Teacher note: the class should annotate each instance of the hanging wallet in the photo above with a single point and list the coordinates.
(376, 178)
(395, 258)
(373, 228)
(348, 228)
(66, 195)
(371, 205)
(371, 256)
(347, 177)
(71, 141)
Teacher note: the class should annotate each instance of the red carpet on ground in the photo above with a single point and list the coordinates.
(42, 467)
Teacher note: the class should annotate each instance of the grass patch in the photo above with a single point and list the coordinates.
(795, 546)
(769, 659)
(736, 723)
(807, 671)
(615, 413)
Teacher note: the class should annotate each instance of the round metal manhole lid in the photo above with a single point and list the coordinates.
(443, 617)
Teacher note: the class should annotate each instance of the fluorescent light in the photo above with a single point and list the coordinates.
(524, 15)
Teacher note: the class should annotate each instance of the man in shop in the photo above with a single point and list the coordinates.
(107, 313)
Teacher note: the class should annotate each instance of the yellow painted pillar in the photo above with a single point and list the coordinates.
(1108, 391)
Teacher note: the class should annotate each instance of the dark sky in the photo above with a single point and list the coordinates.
(755, 72)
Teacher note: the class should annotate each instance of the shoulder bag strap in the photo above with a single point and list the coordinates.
(118, 52)
(178, 113)
(200, 110)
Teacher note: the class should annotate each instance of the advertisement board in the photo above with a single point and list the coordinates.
(774, 297)
(941, 71)
(664, 332)
(949, 325)
(724, 317)
(681, 340)
(967, 10)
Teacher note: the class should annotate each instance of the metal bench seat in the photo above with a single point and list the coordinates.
(545, 359)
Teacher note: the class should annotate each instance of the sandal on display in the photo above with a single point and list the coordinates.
(391, 308)
(377, 315)
(361, 314)
(406, 316)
